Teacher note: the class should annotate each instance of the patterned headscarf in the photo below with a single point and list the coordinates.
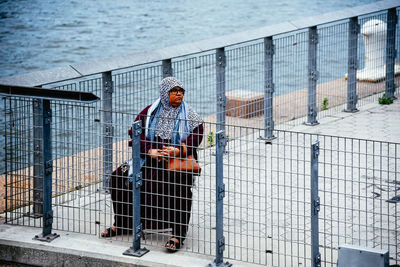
(165, 123)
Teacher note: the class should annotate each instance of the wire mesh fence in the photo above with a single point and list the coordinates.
(269, 85)
(248, 90)
(267, 208)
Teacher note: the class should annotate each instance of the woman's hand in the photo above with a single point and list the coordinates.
(170, 151)
(156, 154)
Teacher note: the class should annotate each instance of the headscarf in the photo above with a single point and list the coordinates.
(168, 114)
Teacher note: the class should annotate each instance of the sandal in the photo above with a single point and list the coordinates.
(177, 245)
(109, 232)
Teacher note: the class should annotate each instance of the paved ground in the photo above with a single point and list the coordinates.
(372, 122)
(249, 237)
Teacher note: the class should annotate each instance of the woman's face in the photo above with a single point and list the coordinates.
(176, 96)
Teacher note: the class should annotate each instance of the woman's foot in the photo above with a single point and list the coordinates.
(110, 232)
(173, 244)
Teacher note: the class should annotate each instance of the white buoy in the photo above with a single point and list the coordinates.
(374, 34)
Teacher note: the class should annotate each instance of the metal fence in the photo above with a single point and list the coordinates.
(282, 203)
(247, 85)
(280, 76)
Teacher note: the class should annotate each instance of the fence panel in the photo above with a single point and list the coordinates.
(267, 205)
(358, 181)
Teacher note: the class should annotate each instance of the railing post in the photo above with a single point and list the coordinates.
(315, 206)
(37, 158)
(220, 194)
(390, 52)
(220, 89)
(167, 68)
(136, 180)
(108, 129)
(47, 170)
(269, 51)
(354, 29)
(312, 76)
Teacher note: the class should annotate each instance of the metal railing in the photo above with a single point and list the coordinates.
(288, 202)
(281, 75)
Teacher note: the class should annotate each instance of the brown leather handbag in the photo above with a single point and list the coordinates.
(188, 165)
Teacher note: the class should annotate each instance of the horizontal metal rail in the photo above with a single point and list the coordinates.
(49, 94)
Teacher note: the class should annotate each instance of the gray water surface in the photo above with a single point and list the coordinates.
(43, 34)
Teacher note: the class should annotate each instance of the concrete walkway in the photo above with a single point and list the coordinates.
(372, 122)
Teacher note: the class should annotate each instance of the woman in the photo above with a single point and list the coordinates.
(171, 128)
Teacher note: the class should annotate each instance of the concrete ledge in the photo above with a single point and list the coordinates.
(244, 104)
(19, 252)
(76, 249)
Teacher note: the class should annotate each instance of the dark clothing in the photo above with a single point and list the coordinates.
(166, 196)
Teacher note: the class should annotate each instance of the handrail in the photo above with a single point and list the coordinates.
(83, 69)
(48, 94)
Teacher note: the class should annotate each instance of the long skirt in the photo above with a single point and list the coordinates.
(165, 200)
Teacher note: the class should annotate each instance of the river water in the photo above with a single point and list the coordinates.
(43, 34)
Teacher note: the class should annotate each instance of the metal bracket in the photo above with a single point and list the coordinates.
(356, 28)
(314, 38)
(109, 130)
(270, 88)
(138, 232)
(138, 253)
(108, 87)
(49, 167)
(221, 244)
(46, 238)
(221, 60)
(353, 64)
(315, 150)
(47, 120)
(314, 75)
(48, 218)
(221, 139)
(137, 129)
(138, 179)
(317, 260)
(312, 112)
(317, 205)
(270, 51)
(222, 100)
(47, 116)
(269, 125)
(221, 192)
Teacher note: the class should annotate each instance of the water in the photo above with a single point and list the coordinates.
(40, 34)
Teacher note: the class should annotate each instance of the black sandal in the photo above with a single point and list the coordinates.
(172, 242)
(110, 232)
